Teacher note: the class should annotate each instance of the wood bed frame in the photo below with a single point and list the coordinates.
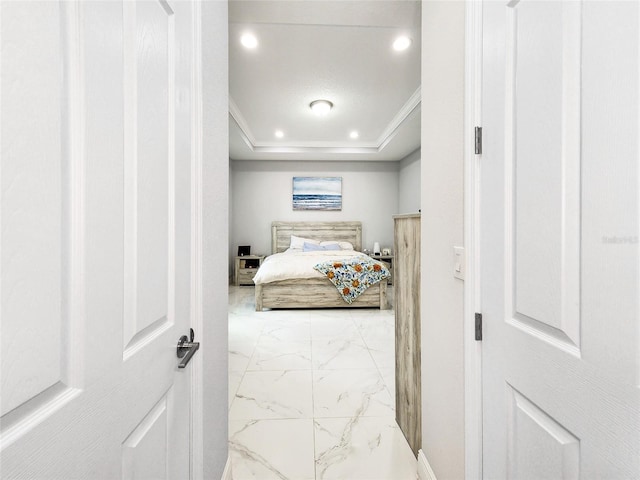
(318, 292)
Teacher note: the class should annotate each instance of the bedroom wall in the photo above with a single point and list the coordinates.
(409, 183)
(262, 194)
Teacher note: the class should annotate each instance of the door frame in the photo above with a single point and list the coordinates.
(209, 229)
(197, 321)
(472, 231)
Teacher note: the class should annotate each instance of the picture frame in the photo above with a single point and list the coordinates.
(244, 250)
(317, 193)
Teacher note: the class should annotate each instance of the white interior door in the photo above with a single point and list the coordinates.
(560, 253)
(95, 219)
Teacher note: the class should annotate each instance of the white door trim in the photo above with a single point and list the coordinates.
(227, 474)
(196, 321)
(472, 348)
(425, 472)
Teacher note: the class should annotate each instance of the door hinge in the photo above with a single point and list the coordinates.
(478, 138)
(479, 327)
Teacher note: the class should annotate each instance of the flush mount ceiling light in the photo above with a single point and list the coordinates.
(279, 133)
(321, 107)
(248, 40)
(401, 43)
(354, 134)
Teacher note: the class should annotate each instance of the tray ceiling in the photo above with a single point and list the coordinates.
(314, 49)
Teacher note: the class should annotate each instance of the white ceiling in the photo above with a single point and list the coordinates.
(317, 49)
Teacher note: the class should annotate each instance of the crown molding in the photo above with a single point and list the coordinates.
(325, 147)
(392, 129)
(245, 131)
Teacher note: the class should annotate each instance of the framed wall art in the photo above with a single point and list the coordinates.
(317, 193)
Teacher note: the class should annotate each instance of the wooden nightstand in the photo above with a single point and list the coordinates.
(245, 269)
(388, 259)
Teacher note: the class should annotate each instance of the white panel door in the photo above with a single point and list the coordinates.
(95, 251)
(560, 255)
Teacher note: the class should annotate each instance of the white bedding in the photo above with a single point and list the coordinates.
(291, 265)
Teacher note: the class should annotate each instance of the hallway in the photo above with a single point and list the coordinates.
(311, 394)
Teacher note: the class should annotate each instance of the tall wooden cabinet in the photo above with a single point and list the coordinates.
(406, 286)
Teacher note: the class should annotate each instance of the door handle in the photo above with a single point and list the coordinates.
(186, 348)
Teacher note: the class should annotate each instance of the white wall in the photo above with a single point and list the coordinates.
(262, 193)
(215, 219)
(443, 33)
(409, 183)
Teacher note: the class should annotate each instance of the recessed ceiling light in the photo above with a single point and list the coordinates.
(279, 133)
(249, 40)
(401, 43)
(321, 107)
(353, 134)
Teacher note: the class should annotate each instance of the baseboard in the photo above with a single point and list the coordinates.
(425, 472)
(227, 475)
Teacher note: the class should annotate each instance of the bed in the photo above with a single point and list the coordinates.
(318, 292)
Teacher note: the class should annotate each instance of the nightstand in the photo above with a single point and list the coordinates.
(245, 269)
(388, 259)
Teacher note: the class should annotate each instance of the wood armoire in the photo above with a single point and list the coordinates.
(406, 286)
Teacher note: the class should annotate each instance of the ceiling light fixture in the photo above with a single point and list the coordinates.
(249, 40)
(321, 107)
(279, 133)
(354, 134)
(401, 43)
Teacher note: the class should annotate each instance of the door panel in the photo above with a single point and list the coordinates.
(144, 451)
(531, 429)
(36, 245)
(542, 155)
(149, 167)
(92, 302)
(560, 254)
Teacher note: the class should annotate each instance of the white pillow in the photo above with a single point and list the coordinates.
(342, 245)
(312, 247)
(297, 243)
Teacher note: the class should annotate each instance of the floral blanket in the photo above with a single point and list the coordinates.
(353, 276)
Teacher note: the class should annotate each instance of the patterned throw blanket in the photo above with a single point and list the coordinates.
(354, 275)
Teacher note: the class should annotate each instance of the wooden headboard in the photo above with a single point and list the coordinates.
(340, 231)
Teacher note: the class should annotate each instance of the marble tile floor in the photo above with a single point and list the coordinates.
(311, 394)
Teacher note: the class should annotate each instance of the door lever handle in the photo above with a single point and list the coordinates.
(186, 349)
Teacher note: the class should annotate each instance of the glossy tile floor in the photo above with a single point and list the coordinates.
(311, 394)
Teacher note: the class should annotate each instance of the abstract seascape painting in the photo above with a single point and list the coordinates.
(317, 193)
